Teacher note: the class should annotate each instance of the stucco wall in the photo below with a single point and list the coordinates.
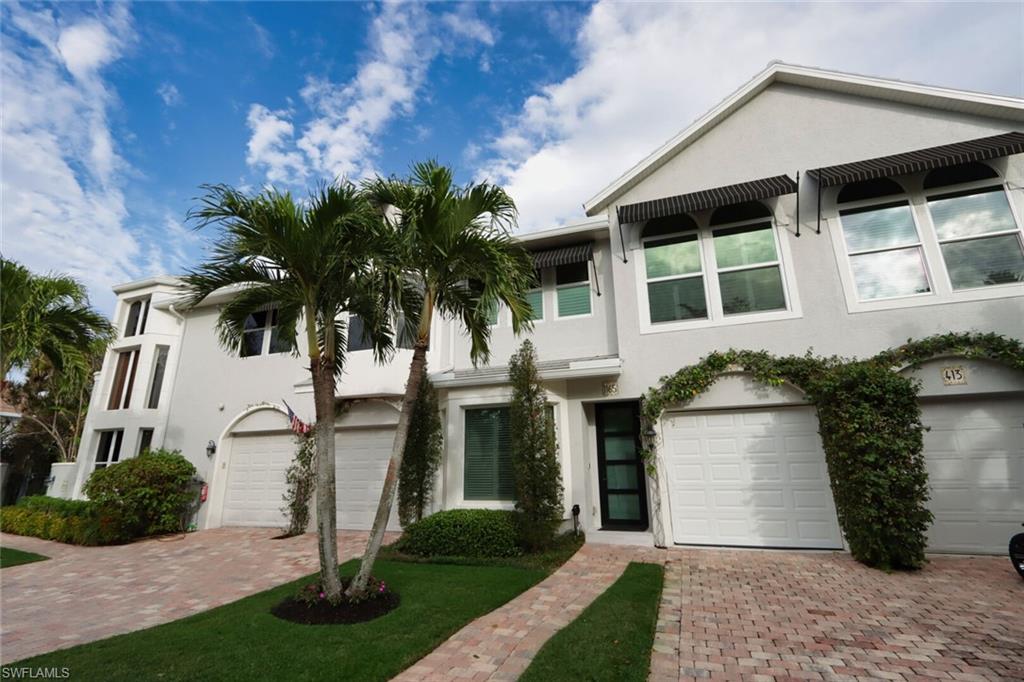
(783, 130)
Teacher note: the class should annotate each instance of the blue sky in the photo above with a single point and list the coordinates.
(114, 114)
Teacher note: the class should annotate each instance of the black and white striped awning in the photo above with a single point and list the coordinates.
(982, 149)
(707, 198)
(564, 255)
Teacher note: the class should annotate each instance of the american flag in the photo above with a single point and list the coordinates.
(300, 427)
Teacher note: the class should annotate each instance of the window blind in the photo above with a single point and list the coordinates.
(488, 455)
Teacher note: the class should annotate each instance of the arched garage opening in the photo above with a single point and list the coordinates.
(973, 411)
(258, 447)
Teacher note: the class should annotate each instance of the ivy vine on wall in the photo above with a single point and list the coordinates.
(870, 425)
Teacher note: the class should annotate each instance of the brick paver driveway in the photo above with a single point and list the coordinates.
(747, 615)
(87, 593)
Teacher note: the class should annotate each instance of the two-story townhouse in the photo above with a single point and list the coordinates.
(811, 209)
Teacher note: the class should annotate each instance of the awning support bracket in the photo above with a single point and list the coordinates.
(798, 203)
(597, 281)
(622, 243)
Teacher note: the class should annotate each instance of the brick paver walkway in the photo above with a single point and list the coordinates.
(740, 615)
(87, 593)
(501, 644)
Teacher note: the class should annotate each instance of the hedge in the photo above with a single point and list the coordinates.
(75, 522)
(473, 533)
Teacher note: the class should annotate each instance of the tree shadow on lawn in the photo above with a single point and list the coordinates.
(244, 641)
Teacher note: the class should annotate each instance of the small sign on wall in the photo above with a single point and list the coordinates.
(954, 376)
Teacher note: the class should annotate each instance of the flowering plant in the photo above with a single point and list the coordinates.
(313, 594)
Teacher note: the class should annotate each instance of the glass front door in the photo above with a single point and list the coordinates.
(620, 467)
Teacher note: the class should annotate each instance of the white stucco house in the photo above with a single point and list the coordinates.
(809, 209)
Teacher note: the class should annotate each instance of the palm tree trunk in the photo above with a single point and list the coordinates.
(326, 510)
(387, 495)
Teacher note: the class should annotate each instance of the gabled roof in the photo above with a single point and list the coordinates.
(962, 101)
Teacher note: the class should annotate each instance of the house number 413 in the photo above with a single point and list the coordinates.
(953, 376)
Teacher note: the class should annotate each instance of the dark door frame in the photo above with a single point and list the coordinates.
(602, 478)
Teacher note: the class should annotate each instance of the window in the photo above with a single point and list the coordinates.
(109, 448)
(159, 367)
(357, 339)
(882, 242)
(145, 440)
(488, 455)
(492, 314)
(977, 233)
(675, 276)
(138, 313)
(963, 236)
(261, 335)
(124, 380)
(747, 259)
(572, 289)
(535, 299)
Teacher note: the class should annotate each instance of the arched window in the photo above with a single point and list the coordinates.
(882, 240)
(979, 237)
(674, 271)
(749, 210)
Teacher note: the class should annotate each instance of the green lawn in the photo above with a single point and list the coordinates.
(242, 641)
(15, 557)
(611, 639)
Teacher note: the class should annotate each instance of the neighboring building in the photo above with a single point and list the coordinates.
(917, 192)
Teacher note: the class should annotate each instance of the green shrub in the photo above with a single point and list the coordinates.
(76, 522)
(422, 455)
(537, 471)
(476, 533)
(151, 493)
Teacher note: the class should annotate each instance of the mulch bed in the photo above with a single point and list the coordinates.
(323, 613)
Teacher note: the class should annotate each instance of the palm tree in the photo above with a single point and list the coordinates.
(458, 251)
(311, 262)
(47, 316)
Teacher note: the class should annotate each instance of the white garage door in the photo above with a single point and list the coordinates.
(753, 478)
(256, 477)
(256, 480)
(362, 456)
(974, 452)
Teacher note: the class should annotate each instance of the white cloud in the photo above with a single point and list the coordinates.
(346, 120)
(647, 70)
(272, 133)
(464, 25)
(261, 38)
(63, 206)
(168, 92)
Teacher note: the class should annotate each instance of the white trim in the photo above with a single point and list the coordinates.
(580, 369)
(995, 106)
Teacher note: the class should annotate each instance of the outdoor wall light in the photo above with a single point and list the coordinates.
(651, 433)
(211, 449)
(576, 519)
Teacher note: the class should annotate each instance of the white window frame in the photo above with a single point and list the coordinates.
(116, 443)
(990, 183)
(935, 265)
(454, 462)
(902, 198)
(268, 329)
(140, 323)
(134, 354)
(558, 287)
(709, 270)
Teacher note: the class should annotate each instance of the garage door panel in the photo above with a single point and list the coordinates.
(362, 459)
(763, 485)
(974, 454)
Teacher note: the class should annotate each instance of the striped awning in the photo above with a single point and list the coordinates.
(982, 149)
(563, 255)
(707, 198)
